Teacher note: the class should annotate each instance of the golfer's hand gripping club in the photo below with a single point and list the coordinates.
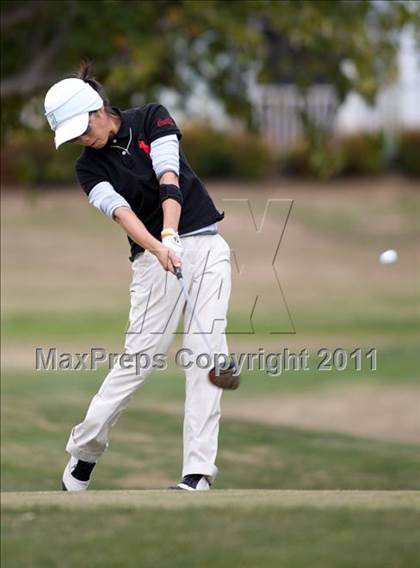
(172, 242)
(229, 378)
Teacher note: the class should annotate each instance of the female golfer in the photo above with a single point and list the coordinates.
(133, 170)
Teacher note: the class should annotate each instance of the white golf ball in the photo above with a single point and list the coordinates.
(388, 257)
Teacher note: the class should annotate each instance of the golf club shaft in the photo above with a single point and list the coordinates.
(178, 274)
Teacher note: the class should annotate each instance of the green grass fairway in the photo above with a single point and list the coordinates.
(223, 529)
(145, 450)
(317, 468)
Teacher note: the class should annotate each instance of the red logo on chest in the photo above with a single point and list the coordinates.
(145, 147)
(165, 121)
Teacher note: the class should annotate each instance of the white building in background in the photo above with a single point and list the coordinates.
(277, 109)
(397, 106)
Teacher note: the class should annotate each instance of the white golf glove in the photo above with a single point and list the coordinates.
(170, 239)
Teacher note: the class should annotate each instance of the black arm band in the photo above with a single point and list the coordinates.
(170, 191)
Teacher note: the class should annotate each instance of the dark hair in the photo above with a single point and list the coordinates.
(85, 73)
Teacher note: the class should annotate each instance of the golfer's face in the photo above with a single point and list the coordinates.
(97, 132)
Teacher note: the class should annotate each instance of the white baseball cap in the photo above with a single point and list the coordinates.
(67, 106)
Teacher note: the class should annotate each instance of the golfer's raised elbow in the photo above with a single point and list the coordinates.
(122, 213)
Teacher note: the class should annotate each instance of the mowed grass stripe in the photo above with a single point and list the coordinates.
(248, 499)
(229, 537)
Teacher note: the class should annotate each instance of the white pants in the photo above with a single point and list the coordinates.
(157, 304)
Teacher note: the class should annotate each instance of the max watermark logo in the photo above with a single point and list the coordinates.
(253, 272)
(256, 267)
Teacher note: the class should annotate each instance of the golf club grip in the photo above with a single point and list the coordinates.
(178, 272)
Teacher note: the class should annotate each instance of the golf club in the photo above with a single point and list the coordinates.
(225, 378)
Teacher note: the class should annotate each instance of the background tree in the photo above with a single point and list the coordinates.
(142, 46)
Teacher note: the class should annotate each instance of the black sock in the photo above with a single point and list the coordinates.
(83, 470)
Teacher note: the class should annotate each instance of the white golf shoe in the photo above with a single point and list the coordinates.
(76, 475)
(193, 482)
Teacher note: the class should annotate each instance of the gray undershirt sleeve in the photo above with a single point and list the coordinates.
(164, 153)
(104, 197)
